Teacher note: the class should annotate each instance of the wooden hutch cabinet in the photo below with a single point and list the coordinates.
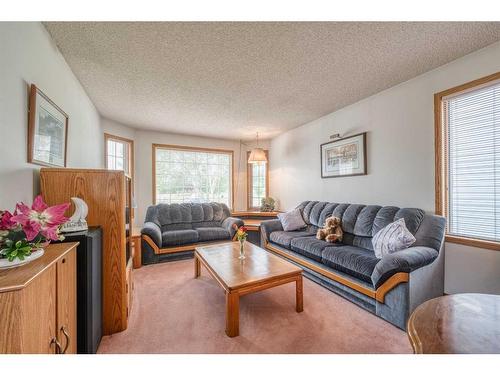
(108, 196)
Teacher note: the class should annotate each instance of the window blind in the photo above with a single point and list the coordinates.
(472, 124)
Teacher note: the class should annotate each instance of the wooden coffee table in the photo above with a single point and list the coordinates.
(458, 323)
(258, 271)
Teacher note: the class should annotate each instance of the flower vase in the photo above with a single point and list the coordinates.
(242, 249)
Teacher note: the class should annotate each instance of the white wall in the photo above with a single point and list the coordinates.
(118, 129)
(28, 55)
(400, 148)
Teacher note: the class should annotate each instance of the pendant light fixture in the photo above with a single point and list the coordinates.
(257, 155)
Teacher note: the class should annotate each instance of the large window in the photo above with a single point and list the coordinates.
(258, 183)
(184, 174)
(468, 173)
(118, 153)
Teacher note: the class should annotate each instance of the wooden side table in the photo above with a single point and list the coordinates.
(458, 323)
(252, 221)
(135, 241)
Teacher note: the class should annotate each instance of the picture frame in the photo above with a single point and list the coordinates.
(47, 130)
(344, 157)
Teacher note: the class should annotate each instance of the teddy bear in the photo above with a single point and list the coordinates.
(331, 231)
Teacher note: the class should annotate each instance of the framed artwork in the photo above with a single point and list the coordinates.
(47, 131)
(344, 157)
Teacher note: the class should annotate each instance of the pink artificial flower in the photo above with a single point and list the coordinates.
(31, 228)
(40, 219)
(51, 233)
(6, 222)
(38, 204)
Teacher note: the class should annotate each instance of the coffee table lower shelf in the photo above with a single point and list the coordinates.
(234, 293)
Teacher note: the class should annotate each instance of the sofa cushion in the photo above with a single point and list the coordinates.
(350, 217)
(326, 213)
(292, 220)
(384, 217)
(406, 260)
(364, 221)
(197, 213)
(358, 241)
(204, 224)
(394, 237)
(306, 209)
(176, 226)
(174, 213)
(179, 237)
(166, 214)
(315, 214)
(212, 234)
(339, 210)
(431, 232)
(357, 218)
(413, 218)
(214, 211)
(310, 247)
(352, 260)
(284, 239)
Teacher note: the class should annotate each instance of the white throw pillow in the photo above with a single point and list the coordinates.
(393, 237)
(292, 220)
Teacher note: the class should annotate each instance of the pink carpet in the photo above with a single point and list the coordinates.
(175, 313)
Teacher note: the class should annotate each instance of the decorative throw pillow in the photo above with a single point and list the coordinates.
(393, 237)
(292, 220)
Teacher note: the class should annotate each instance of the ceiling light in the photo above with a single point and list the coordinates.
(257, 155)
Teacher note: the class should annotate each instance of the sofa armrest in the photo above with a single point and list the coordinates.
(406, 260)
(269, 226)
(228, 223)
(153, 231)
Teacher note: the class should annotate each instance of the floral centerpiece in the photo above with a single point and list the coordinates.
(241, 236)
(29, 229)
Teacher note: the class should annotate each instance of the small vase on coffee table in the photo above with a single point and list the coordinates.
(242, 249)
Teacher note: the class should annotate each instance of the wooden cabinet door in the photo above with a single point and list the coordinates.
(28, 317)
(66, 302)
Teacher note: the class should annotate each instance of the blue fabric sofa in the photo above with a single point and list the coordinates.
(391, 287)
(172, 231)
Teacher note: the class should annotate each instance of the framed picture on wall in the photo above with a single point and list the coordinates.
(344, 157)
(47, 131)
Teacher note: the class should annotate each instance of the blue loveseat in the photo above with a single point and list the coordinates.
(172, 231)
(391, 287)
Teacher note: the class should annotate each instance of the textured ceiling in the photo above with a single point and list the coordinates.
(230, 80)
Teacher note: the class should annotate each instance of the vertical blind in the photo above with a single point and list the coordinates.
(472, 124)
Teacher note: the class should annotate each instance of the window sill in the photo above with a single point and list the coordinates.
(474, 242)
(251, 212)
